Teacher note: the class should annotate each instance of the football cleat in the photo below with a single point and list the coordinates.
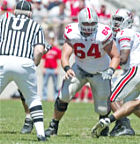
(105, 132)
(41, 138)
(28, 126)
(122, 128)
(99, 127)
(53, 128)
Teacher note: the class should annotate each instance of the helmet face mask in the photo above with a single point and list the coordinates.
(88, 20)
(116, 23)
(122, 19)
(88, 27)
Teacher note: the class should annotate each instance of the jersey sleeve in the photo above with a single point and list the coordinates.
(106, 33)
(124, 39)
(68, 32)
(40, 37)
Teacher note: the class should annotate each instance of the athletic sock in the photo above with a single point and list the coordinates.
(112, 118)
(37, 116)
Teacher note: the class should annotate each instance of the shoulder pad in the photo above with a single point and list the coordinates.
(105, 33)
(70, 31)
(125, 35)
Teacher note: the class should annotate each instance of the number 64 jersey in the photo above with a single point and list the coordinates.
(89, 51)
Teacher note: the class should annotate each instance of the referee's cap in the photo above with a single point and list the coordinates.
(24, 5)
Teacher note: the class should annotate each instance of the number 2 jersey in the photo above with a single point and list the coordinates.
(129, 39)
(89, 51)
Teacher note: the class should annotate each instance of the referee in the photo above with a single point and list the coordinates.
(21, 48)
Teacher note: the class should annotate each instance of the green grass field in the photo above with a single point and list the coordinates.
(74, 128)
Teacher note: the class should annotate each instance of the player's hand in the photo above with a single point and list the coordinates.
(69, 74)
(107, 74)
(47, 47)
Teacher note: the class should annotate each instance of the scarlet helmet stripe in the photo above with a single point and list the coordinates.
(122, 83)
(89, 14)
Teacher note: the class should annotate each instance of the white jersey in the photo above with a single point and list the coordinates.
(128, 38)
(89, 51)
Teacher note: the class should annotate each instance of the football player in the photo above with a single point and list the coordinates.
(122, 126)
(96, 58)
(127, 86)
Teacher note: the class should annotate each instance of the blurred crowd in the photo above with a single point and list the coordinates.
(54, 15)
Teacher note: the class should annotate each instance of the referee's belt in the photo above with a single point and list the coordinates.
(84, 73)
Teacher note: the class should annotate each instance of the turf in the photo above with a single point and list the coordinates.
(74, 127)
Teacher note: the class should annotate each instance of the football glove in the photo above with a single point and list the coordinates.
(47, 46)
(107, 74)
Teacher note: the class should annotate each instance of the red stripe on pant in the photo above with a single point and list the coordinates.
(114, 94)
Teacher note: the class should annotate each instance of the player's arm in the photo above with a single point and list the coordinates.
(39, 46)
(112, 51)
(125, 46)
(38, 52)
(66, 53)
(124, 41)
(124, 54)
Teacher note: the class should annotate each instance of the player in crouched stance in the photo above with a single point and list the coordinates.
(96, 58)
(127, 86)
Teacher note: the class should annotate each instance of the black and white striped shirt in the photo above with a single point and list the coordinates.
(19, 35)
